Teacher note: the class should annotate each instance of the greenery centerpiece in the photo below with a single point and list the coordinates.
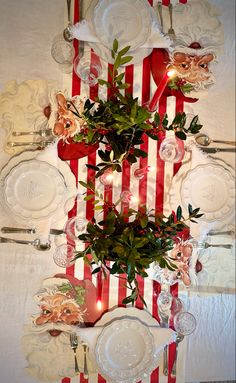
(120, 121)
(127, 243)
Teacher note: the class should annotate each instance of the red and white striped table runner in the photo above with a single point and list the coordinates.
(150, 190)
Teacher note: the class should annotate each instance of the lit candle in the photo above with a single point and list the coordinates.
(157, 95)
(99, 288)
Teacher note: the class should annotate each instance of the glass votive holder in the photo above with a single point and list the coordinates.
(88, 68)
(64, 255)
(106, 178)
(172, 149)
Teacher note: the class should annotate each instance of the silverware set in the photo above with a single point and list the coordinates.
(45, 134)
(170, 32)
(74, 343)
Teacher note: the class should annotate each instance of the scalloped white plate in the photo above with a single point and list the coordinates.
(124, 350)
(210, 187)
(104, 52)
(144, 318)
(34, 189)
(64, 171)
(127, 21)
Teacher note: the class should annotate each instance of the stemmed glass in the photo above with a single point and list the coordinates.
(184, 324)
(63, 53)
(64, 255)
(74, 227)
(167, 307)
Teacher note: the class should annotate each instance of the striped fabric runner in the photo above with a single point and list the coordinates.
(149, 190)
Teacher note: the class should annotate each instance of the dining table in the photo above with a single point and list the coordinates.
(27, 30)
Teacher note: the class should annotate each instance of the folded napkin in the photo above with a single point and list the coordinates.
(162, 337)
(82, 31)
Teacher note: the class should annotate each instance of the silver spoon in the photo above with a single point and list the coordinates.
(67, 31)
(204, 140)
(36, 243)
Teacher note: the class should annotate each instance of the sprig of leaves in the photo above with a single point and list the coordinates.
(177, 125)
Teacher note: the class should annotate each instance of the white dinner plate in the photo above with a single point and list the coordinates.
(210, 187)
(34, 189)
(104, 52)
(144, 317)
(127, 21)
(69, 182)
(124, 350)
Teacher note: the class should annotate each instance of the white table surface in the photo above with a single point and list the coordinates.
(26, 29)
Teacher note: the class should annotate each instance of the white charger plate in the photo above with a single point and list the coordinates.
(143, 317)
(210, 187)
(34, 189)
(127, 21)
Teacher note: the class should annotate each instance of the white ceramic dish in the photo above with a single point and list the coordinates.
(210, 187)
(34, 189)
(104, 52)
(124, 350)
(143, 317)
(127, 21)
(68, 179)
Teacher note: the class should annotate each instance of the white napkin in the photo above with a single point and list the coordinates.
(162, 337)
(82, 31)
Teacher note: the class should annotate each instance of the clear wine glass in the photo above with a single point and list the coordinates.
(64, 255)
(184, 323)
(74, 227)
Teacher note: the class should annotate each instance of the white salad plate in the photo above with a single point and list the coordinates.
(210, 187)
(127, 21)
(104, 50)
(34, 189)
(28, 186)
(141, 363)
(124, 350)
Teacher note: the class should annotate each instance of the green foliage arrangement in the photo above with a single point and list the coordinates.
(120, 122)
(128, 243)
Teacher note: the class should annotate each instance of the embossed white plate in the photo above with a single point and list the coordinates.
(33, 189)
(210, 187)
(124, 350)
(127, 21)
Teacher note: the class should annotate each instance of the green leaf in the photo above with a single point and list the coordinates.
(181, 135)
(125, 60)
(115, 45)
(89, 197)
(179, 213)
(123, 51)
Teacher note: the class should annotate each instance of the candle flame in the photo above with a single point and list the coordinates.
(171, 73)
(99, 304)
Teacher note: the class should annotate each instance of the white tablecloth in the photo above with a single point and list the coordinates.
(26, 30)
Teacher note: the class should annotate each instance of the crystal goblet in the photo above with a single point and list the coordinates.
(184, 323)
(74, 227)
(64, 255)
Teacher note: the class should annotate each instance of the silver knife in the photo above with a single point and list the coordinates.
(7, 229)
(81, 43)
(216, 150)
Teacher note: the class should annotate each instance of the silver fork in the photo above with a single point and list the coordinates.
(206, 245)
(164, 323)
(171, 32)
(74, 345)
(86, 348)
(41, 132)
(13, 144)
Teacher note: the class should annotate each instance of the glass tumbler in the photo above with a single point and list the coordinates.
(88, 68)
